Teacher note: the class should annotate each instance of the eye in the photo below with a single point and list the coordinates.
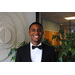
(33, 30)
(39, 30)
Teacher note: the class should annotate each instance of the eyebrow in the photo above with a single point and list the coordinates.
(35, 28)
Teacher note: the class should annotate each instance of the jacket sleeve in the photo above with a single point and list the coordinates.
(18, 56)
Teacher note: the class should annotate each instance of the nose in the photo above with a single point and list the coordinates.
(36, 32)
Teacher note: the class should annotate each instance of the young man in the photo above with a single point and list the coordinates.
(35, 51)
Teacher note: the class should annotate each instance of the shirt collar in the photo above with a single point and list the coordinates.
(37, 45)
(34, 45)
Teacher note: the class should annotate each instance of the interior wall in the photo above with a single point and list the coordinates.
(50, 26)
(31, 17)
(14, 27)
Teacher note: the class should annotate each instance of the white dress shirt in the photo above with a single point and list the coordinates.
(36, 54)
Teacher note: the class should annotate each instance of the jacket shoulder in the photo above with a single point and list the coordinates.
(23, 47)
(47, 46)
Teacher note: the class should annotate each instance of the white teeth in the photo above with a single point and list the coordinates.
(36, 36)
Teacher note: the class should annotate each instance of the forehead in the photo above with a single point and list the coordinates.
(35, 26)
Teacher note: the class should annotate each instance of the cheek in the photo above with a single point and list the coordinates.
(30, 34)
(41, 34)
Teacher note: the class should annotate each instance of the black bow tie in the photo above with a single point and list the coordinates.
(40, 47)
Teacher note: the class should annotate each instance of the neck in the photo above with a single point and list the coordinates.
(35, 43)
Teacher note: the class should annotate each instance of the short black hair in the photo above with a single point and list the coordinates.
(35, 23)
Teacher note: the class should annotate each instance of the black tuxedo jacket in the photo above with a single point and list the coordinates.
(23, 54)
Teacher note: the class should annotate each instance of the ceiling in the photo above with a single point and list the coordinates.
(59, 17)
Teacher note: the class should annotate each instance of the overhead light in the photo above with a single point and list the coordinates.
(61, 24)
(70, 18)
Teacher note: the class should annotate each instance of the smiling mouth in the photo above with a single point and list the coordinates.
(36, 36)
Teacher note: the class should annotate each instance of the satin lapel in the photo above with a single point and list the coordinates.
(29, 55)
(43, 52)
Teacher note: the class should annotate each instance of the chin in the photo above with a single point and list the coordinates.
(37, 41)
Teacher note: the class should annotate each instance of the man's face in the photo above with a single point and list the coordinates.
(36, 33)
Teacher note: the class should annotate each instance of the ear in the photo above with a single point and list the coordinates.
(29, 33)
(42, 32)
